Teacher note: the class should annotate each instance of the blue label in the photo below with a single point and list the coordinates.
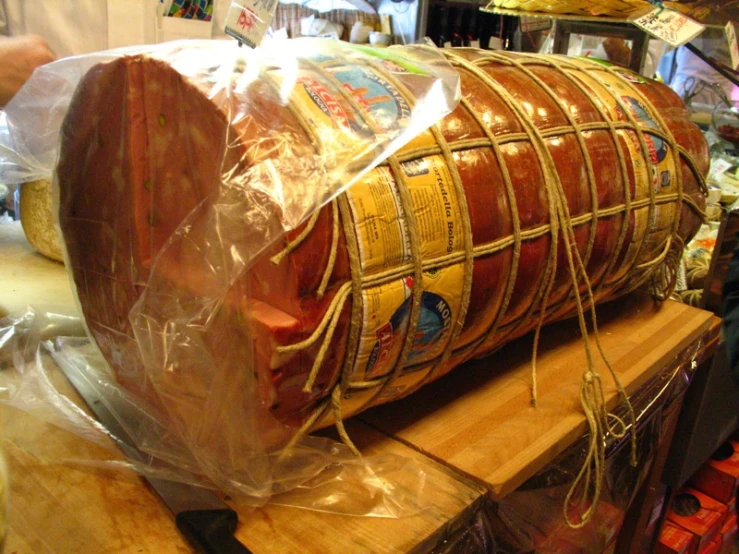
(657, 147)
(434, 321)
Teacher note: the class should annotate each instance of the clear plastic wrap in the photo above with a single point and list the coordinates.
(266, 137)
(42, 354)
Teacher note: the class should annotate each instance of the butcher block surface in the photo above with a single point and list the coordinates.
(481, 421)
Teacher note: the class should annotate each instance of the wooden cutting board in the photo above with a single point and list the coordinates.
(479, 419)
(66, 508)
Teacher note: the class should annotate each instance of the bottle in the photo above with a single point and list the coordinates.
(471, 37)
(455, 17)
(433, 26)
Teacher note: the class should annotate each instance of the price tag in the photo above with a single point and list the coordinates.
(668, 25)
(248, 20)
(681, 283)
(719, 166)
(733, 47)
(496, 44)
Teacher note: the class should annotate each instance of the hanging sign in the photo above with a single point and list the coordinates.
(665, 24)
(733, 47)
(248, 20)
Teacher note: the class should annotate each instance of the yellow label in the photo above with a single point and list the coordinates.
(387, 110)
(352, 108)
(435, 206)
(334, 120)
(440, 303)
(386, 316)
(618, 95)
(382, 104)
(660, 157)
(379, 221)
(383, 239)
(603, 95)
(384, 327)
(422, 140)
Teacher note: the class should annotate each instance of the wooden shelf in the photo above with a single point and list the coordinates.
(556, 16)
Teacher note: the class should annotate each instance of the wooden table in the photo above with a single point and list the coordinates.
(474, 434)
(479, 419)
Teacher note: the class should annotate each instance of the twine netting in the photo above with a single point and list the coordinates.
(554, 185)
(648, 260)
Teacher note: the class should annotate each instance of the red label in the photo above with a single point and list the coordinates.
(247, 18)
(323, 98)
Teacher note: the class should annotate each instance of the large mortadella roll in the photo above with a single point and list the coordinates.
(550, 169)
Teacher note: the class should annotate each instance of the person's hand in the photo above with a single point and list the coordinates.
(19, 56)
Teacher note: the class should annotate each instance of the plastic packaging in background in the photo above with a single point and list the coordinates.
(267, 183)
(475, 538)
(530, 519)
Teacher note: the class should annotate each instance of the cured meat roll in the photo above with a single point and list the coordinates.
(549, 169)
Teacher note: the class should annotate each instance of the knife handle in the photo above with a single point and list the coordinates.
(211, 531)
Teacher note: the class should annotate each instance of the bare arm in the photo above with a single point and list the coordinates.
(19, 56)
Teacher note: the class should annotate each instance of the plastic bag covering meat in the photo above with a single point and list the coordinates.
(225, 150)
(41, 353)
